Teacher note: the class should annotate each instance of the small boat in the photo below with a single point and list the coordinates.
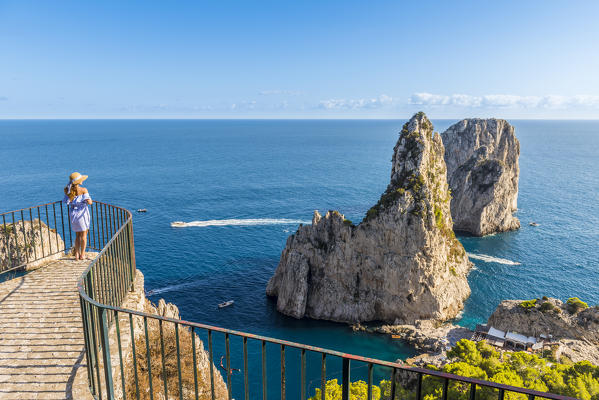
(396, 336)
(533, 224)
(142, 210)
(226, 304)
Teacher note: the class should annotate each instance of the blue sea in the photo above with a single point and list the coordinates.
(278, 172)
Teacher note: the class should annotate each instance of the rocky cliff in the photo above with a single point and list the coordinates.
(548, 316)
(575, 327)
(25, 241)
(482, 170)
(402, 263)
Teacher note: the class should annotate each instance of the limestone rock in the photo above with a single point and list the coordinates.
(482, 170)
(555, 320)
(25, 241)
(400, 264)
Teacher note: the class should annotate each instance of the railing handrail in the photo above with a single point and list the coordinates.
(85, 298)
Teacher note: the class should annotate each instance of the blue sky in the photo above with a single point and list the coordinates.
(304, 59)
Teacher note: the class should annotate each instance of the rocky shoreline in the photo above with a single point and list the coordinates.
(575, 332)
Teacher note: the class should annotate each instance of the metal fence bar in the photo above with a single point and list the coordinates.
(118, 337)
(25, 249)
(211, 359)
(39, 223)
(64, 238)
(179, 361)
(55, 226)
(302, 375)
(228, 366)
(195, 365)
(14, 231)
(369, 394)
(48, 226)
(134, 356)
(323, 376)
(246, 388)
(5, 234)
(264, 391)
(149, 357)
(106, 354)
(346, 378)
(163, 361)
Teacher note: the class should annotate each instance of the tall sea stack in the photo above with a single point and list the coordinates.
(482, 171)
(402, 263)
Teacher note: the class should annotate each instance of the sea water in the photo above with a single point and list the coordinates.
(239, 188)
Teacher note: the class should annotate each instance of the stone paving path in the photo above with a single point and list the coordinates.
(41, 339)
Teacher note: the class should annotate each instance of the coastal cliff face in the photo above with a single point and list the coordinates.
(402, 263)
(576, 330)
(482, 170)
(28, 240)
(137, 300)
(554, 318)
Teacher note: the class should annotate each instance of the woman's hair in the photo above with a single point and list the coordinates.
(73, 192)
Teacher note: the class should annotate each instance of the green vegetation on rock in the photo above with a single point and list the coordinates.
(547, 306)
(528, 304)
(575, 305)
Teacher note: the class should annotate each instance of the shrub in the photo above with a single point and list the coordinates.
(545, 298)
(528, 304)
(347, 222)
(575, 305)
(481, 361)
(546, 306)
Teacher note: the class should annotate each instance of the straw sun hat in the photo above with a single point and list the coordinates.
(76, 178)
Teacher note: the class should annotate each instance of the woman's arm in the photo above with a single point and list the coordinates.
(88, 200)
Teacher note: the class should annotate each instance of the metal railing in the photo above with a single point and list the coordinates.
(138, 355)
(30, 236)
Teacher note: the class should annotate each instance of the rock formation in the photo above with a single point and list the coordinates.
(25, 241)
(402, 263)
(549, 316)
(137, 301)
(482, 170)
(576, 330)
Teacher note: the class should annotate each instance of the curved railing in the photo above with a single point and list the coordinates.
(139, 355)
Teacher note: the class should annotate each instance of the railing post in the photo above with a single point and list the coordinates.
(345, 380)
(131, 252)
(106, 354)
(87, 346)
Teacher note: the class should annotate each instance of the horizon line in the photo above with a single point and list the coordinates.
(274, 118)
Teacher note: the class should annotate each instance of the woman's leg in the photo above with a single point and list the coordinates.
(76, 248)
(82, 244)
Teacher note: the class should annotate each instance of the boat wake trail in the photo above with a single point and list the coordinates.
(169, 288)
(491, 259)
(239, 222)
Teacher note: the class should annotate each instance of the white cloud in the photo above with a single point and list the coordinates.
(505, 100)
(356, 104)
(244, 105)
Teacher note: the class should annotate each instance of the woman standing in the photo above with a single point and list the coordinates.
(77, 198)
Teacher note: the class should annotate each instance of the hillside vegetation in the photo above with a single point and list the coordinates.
(480, 360)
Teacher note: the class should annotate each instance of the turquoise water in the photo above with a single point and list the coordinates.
(211, 170)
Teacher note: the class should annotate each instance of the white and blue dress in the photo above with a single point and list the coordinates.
(78, 212)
